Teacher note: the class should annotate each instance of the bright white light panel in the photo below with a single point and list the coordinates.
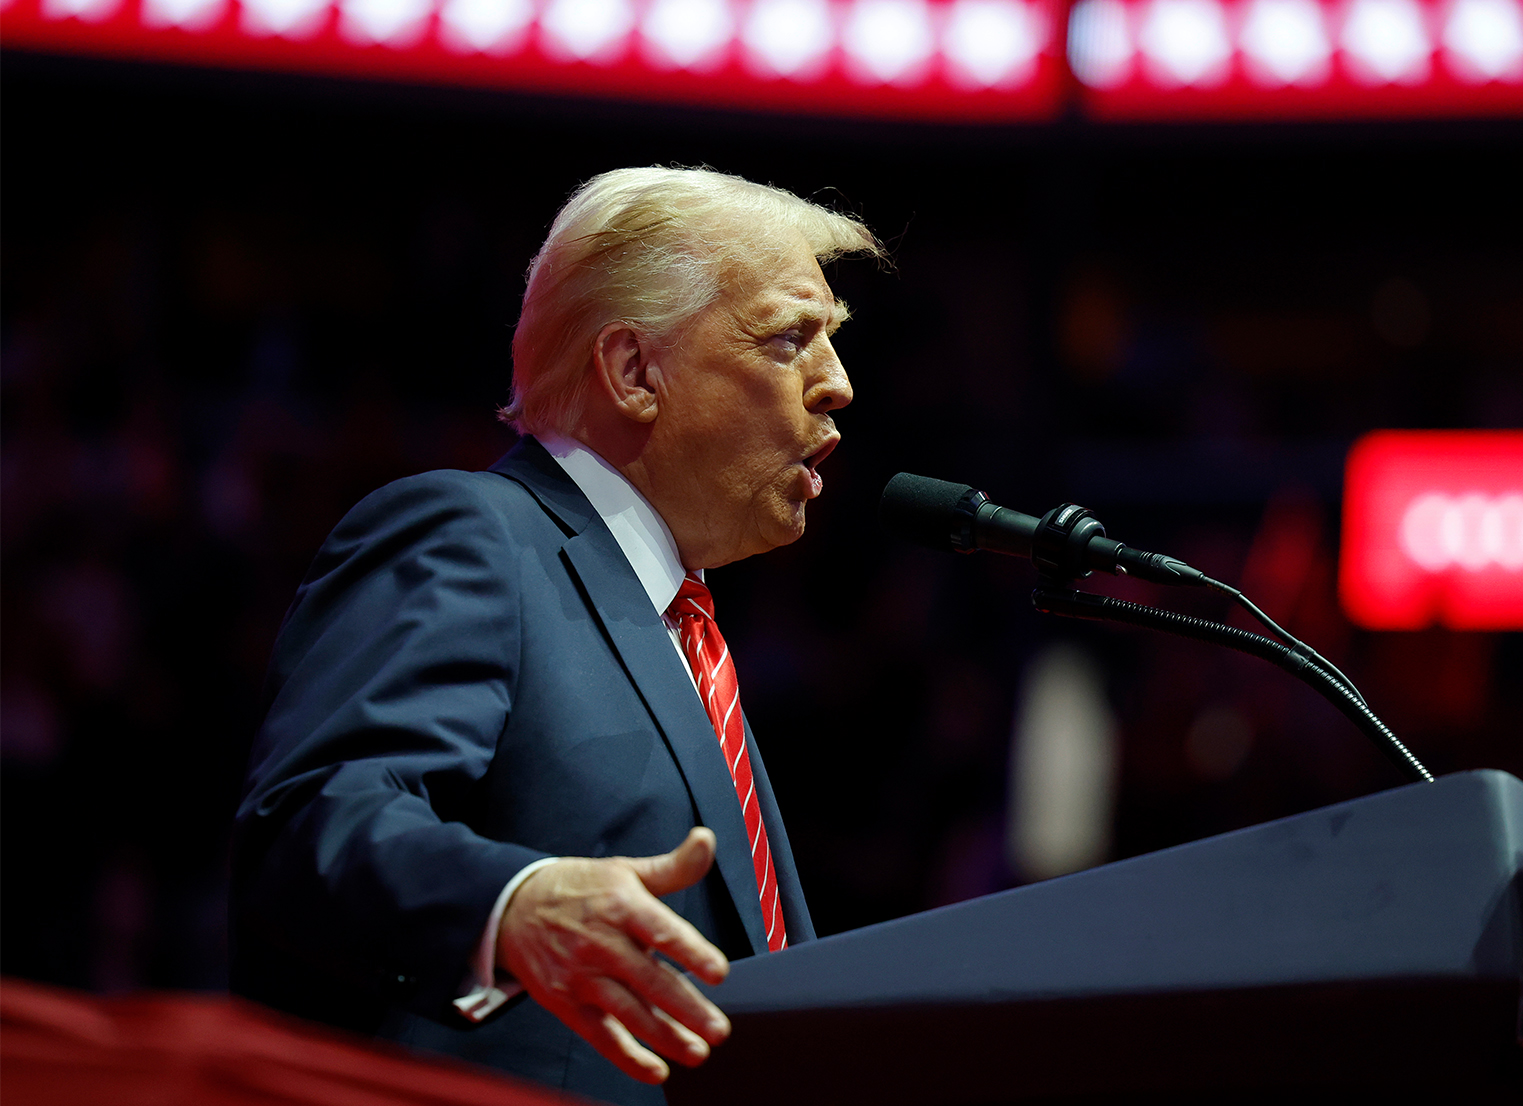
(970, 59)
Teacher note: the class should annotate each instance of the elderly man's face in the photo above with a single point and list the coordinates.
(745, 407)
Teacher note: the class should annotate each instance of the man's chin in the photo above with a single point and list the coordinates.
(785, 527)
(775, 522)
(791, 529)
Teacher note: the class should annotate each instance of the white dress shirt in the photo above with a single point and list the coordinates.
(651, 550)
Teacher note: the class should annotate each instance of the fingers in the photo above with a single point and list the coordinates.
(624, 957)
(667, 992)
(663, 1033)
(682, 867)
(582, 935)
(656, 926)
(664, 930)
(614, 1042)
(604, 1013)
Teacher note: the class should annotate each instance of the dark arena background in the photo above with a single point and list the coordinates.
(237, 300)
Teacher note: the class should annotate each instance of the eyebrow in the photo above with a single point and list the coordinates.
(809, 311)
(839, 313)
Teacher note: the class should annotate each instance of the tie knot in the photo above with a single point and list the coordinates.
(693, 600)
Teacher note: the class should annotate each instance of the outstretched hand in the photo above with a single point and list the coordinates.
(581, 936)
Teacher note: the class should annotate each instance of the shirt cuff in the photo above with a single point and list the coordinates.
(489, 986)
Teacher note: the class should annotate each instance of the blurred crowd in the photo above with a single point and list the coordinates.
(229, 313)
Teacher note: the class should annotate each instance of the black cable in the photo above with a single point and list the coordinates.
(1281, 633)
(1081, 604)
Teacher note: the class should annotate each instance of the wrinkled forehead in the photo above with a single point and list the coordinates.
(774, 272)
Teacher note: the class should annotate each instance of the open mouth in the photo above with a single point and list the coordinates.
(812, 463)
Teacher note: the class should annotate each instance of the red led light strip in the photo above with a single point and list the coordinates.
(972, 60)
(993, 60)
(1149, 59)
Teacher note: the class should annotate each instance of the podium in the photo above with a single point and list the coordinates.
(1370, 946)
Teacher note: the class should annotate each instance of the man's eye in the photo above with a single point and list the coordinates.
(790, 340)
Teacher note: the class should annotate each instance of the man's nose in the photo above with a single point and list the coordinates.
(831, 388)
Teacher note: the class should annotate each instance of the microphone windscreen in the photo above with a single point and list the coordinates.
(921, 509)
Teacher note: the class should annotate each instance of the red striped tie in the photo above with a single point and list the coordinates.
(714, 670)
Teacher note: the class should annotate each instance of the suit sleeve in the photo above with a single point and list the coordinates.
(392, 681)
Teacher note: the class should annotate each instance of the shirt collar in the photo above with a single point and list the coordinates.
(641, 533)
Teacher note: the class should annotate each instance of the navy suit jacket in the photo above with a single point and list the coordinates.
(471, 678)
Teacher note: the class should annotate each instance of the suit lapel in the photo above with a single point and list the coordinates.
(795, 910)
(642, 642)
(640, 638)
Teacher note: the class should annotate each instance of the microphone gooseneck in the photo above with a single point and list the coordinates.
(1068, 543)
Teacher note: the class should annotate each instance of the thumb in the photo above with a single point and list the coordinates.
(682, 867)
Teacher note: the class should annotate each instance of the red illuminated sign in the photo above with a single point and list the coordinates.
(988, 60)
(1147, 59)
(1433, 530)
(976, 60)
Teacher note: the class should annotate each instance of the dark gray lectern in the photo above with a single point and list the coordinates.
(1371, 946)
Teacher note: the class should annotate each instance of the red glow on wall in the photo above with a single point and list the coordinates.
(1433, 530)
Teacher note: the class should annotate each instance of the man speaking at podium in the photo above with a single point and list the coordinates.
(504, 764)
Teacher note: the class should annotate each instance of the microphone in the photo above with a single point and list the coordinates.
(1066, 543)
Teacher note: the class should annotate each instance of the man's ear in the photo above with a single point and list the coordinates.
(623, 362)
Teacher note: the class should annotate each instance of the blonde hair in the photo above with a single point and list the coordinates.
(647, 248)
